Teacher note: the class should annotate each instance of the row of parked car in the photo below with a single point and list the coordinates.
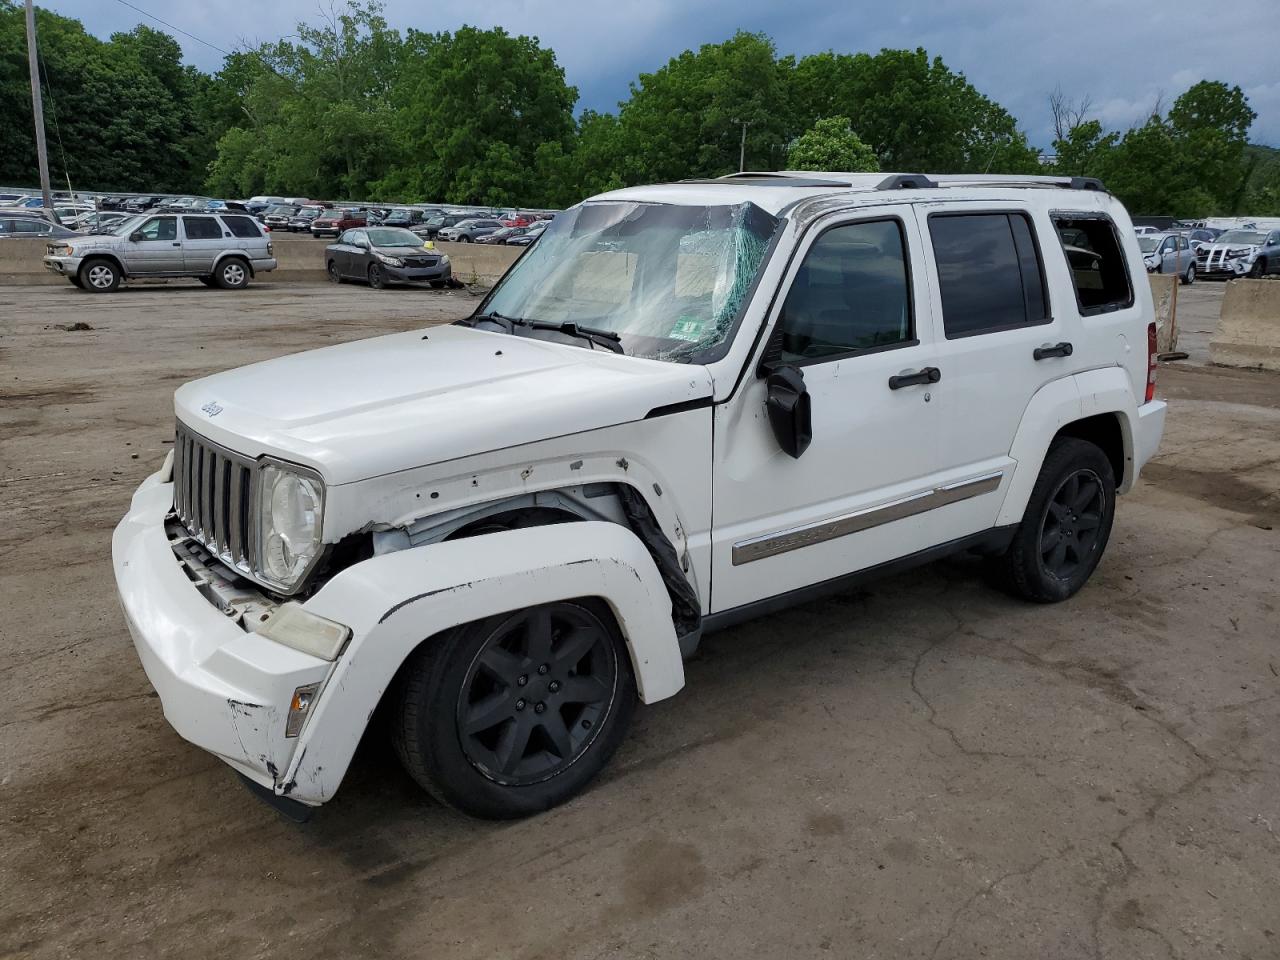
(430, 223)
(1210, 253)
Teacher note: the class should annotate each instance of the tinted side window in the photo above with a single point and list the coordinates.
(1097, 264)
(201, 228)
(989, 272)
(852, 292)
(242, 226)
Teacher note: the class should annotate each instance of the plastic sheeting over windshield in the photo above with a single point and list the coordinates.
(669, 279)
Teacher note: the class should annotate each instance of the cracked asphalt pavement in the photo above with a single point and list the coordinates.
(921, 768)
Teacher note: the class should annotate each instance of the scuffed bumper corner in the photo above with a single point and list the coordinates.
(221, 688)
(1150, 428)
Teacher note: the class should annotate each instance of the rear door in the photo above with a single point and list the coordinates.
(157, 249)
(1000, 338)
(202, 242)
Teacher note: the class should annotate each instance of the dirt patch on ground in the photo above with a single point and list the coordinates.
(919, 768)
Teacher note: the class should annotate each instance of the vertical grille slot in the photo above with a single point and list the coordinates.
(212, 496)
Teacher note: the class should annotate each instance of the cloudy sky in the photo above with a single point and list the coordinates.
(1123, 56)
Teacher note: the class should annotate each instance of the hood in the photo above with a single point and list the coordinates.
(402, 252)
(373, 407)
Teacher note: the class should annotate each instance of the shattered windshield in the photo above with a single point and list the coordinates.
(1148, 244)
(668, 279)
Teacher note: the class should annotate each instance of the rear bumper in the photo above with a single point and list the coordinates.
(1148, 431)
(222, 688)
(263, 264)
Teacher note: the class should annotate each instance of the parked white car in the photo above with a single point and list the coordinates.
(1169, 253)
(503, 531)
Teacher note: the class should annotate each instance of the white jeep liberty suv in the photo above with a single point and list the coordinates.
(684, 406)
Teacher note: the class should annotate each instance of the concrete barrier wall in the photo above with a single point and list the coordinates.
(1249, 327)
(1162, 292)
(299, 259)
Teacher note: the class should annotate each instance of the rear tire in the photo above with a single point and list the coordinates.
(1065, 528)
(332, 269)
(232, 274)
(511, 715)
(99, 275)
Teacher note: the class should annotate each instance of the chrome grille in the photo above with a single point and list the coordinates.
(213, 495)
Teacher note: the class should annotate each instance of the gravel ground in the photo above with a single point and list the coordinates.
(920, 768)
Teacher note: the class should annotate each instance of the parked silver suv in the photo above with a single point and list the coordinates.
(223, 250)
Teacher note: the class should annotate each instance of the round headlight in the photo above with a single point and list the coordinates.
(290, 524)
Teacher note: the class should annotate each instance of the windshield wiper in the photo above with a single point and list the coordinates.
(605, 338)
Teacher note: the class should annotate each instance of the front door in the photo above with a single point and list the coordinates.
(156, 250)
(856, 319)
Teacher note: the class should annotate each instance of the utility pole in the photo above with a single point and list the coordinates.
(37, 108)
(742, 149)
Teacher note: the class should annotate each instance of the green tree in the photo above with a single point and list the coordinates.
(913, 111)
(474, 97)
(703, 111)
(831, 144)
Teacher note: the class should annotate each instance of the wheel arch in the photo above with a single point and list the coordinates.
(226, 255)
(1098, 406)
(395, 602)
(109, 257)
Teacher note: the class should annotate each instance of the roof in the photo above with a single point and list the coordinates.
(775, 190)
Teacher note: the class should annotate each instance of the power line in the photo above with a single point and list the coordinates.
(166, 23)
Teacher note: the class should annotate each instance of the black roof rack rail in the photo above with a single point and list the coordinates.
(1087, 183)
(907, 181)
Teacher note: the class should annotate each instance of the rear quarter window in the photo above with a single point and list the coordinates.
(1095, 261)
(243, 227)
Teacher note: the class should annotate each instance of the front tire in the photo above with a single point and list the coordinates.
(99, 276)
(511, 715)
(1189, 277)
(1259, 269)
(377, 279)
(1066, 526)
(232, 274)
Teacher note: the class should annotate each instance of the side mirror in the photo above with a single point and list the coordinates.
(790, 409)
(135, 236)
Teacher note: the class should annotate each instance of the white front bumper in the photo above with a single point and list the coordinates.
(222, 688)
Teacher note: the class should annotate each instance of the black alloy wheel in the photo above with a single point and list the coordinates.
(334, 276)
(535, 694)
(377, 279)
(1071, 525)
(513, 714)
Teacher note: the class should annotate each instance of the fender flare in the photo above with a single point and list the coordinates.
(395, 601)
(1054, 406)
(240, 254)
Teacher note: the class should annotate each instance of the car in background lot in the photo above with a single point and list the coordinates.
(1144, 231)
(1168, 253)
(301, 222)
(465, 231)
(334, 222)
(528, 237)
(406, 217)
(224, 250)
(1241, 253)
(278, 216)
(502, 235)
(441, 221)
(385, 255)
(99, 221)
(31, 227)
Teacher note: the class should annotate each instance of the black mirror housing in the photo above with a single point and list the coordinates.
(790, 409)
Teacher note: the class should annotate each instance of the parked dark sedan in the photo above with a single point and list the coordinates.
(385, 255)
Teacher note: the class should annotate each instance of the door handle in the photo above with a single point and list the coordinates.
(1063, 349)
(177, 243)
(924, 375)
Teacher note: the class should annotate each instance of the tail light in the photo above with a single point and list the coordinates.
(1151, 362)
